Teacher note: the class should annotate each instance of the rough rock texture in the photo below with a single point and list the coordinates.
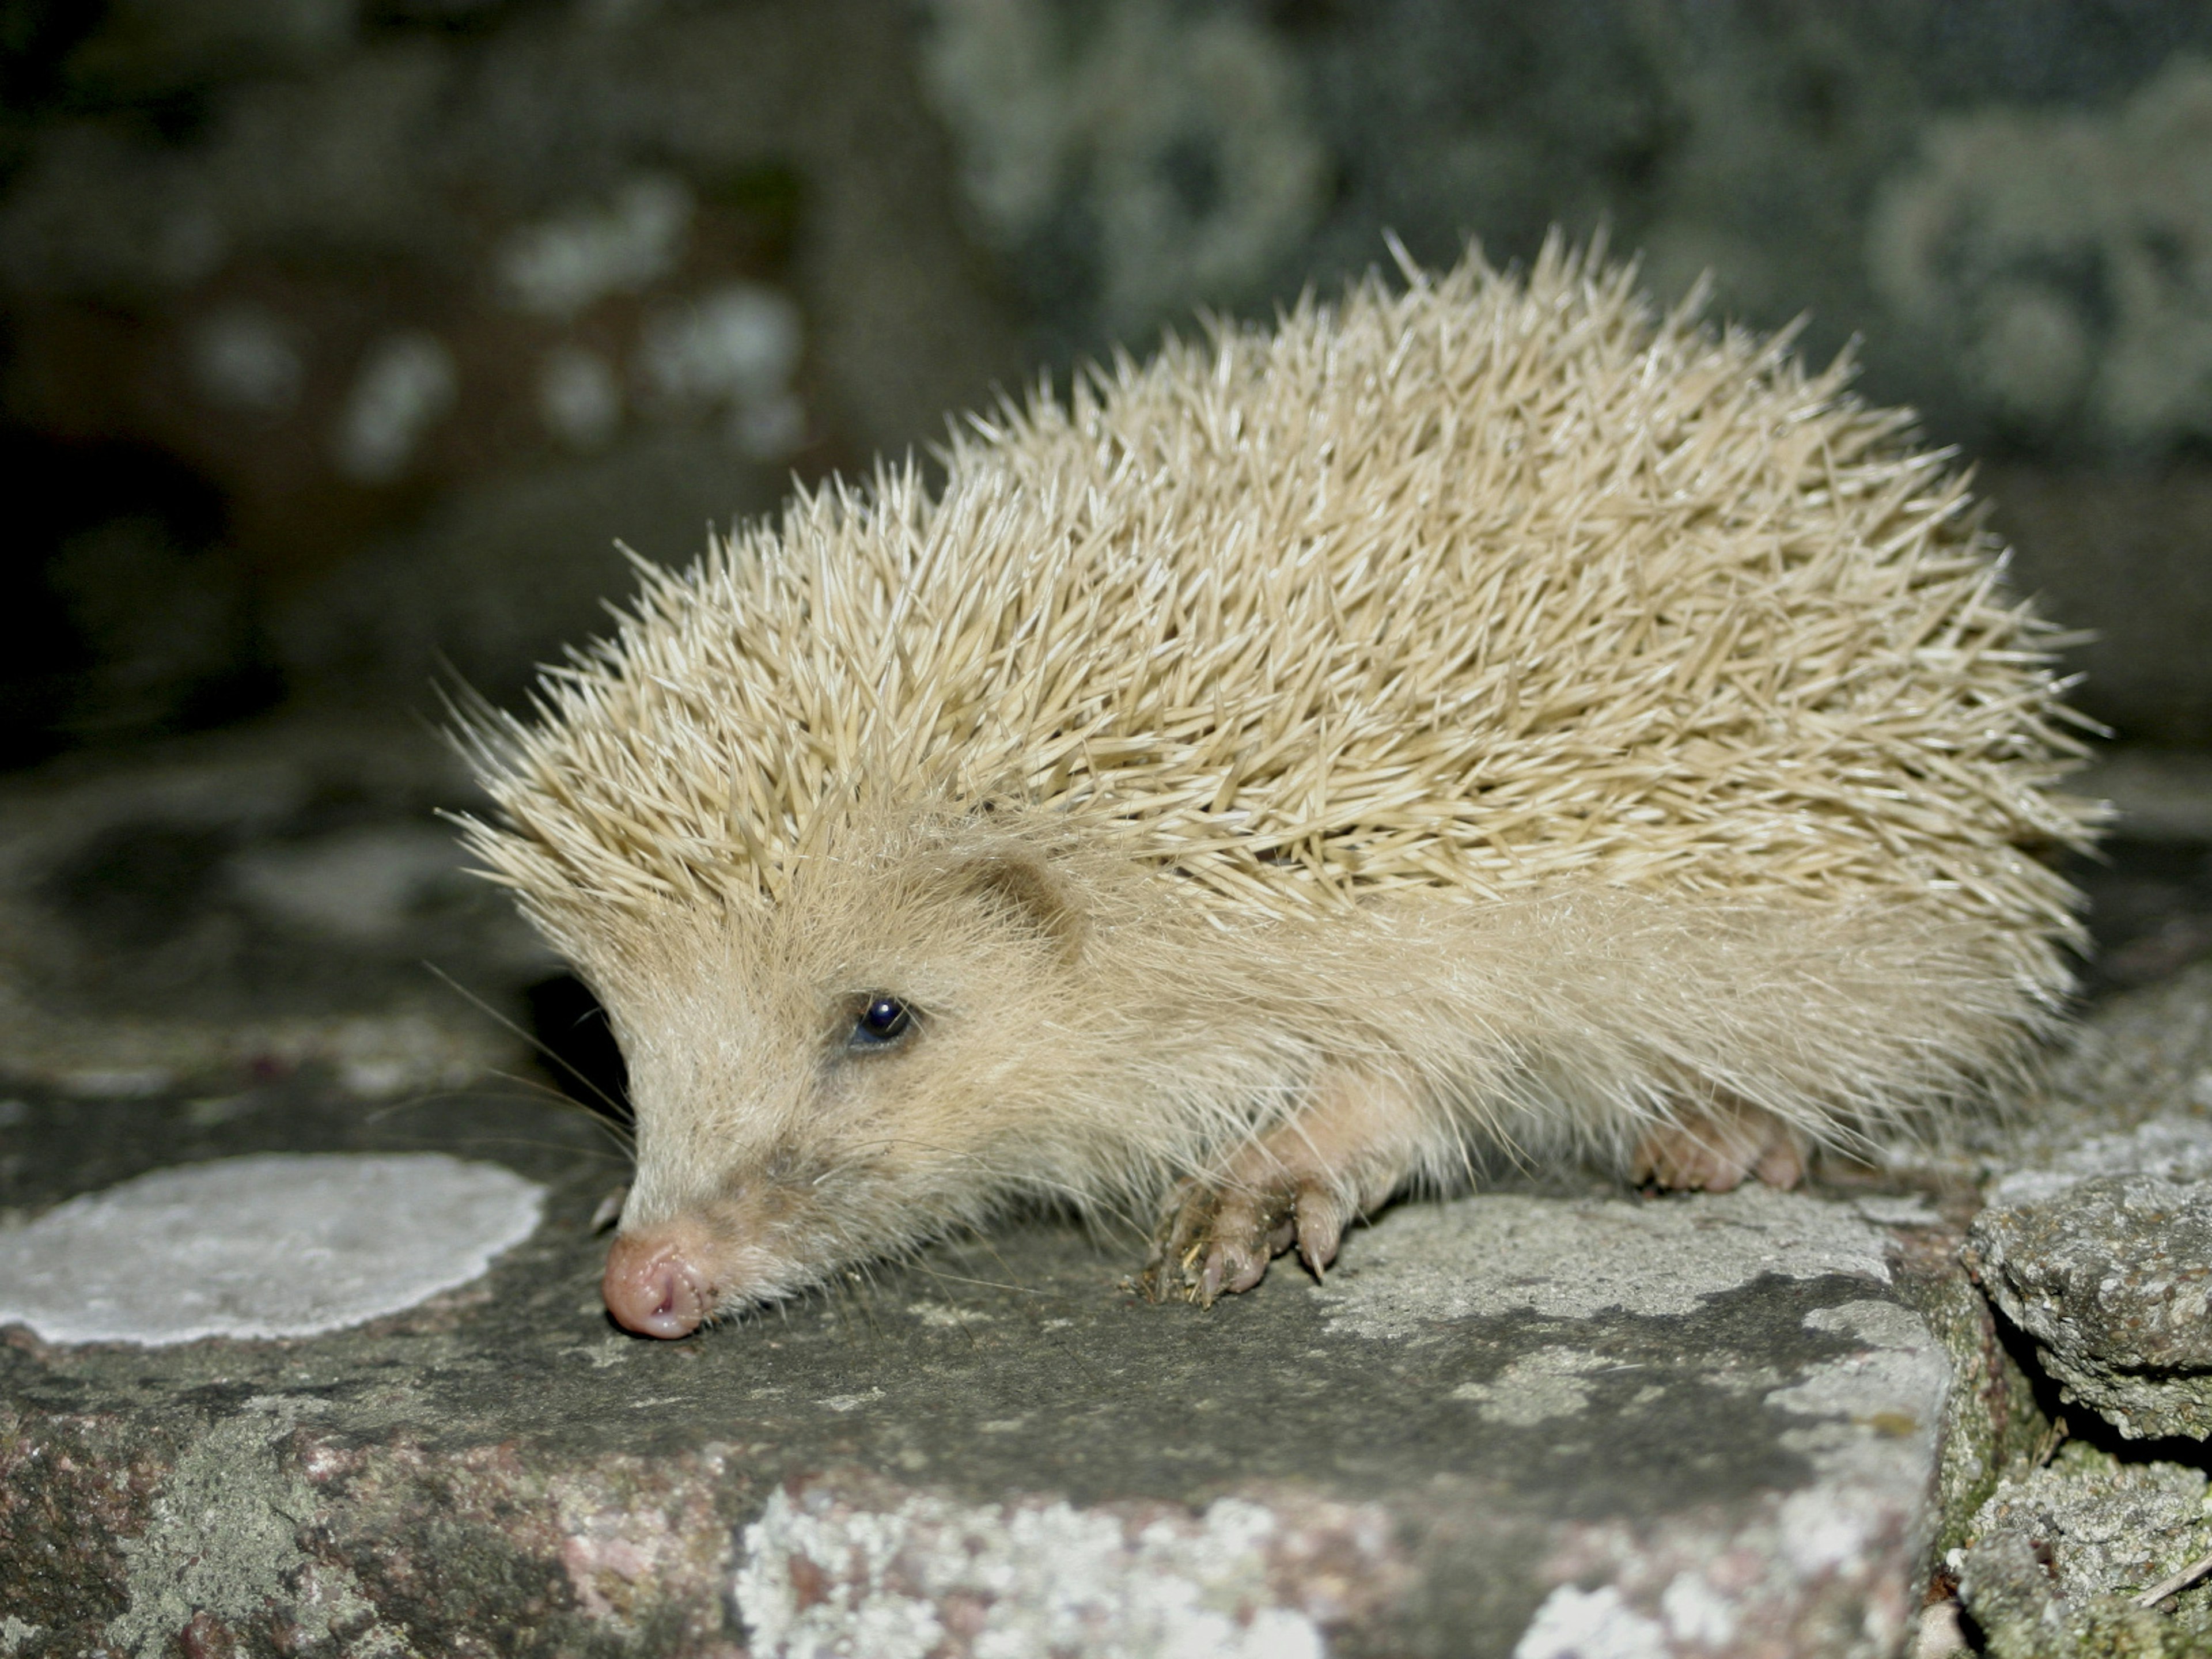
(2093, 1200)
(1963, 176)
(2099, 1217)
(2113, 1277)
(2062, 1552)
(1569, 1421)
(1525, 1423)
(2130, 1093)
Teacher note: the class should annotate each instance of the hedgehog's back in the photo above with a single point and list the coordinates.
(1489, 584)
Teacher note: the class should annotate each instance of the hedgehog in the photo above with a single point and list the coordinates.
(1485, 716)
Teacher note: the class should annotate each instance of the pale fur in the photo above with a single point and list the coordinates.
(1568, 715)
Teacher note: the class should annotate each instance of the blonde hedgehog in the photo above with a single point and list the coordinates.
(1487, 717)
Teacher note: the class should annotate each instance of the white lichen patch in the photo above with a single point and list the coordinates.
(406, 385)
(566, 264)
(2053, 253)
(1182, 130)
(277, 1244)
(1839, 1549)
(1574, 1623)
(1501, 1252)
(1900, 1210)
(943, 1316)
(821, 1577)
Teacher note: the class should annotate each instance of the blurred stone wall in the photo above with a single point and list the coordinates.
(345, 337)
(386, 319)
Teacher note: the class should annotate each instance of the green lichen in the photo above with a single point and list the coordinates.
(222, 1538)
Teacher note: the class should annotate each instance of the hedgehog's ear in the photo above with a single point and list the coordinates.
(1029, 893)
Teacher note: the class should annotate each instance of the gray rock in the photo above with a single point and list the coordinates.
(2099, 1211)
(2128, 1090)
(1964, 245)
(2007, 1583)
(2147, 1054)
(2113, 1277)
(2119, 550)
(2063, 1553)
(434, 316)
(490, 585)
(2006, 212)
(1523, 1424)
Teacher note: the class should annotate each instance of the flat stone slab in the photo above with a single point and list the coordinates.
(1526, 1424)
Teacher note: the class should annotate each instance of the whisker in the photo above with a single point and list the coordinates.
(532, 1088)
(987, 1284)
(616, 1111)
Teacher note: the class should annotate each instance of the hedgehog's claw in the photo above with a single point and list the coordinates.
(1219, 1237)
(1298, 1186)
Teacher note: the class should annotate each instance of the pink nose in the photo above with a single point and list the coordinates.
(653, 1290)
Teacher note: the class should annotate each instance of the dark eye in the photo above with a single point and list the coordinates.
(885, 1019)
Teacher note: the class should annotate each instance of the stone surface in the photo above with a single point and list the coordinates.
(2062, 1552)
(1521, 1423)
(2113, 1277)
(2144, 1057)
(855, 1567)
(2070, 1245)
(2095, 1236)
(273, 1245)
(370, 360)
(2150, 895)
(2000, 210)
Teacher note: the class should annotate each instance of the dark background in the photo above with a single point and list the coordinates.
(229, 227)
(340, 340)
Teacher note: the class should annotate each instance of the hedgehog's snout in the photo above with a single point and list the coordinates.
(655, 1285)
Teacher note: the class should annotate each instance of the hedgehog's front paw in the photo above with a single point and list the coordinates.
(1301, 1183)
(1220, 1235)
(1713, 1149)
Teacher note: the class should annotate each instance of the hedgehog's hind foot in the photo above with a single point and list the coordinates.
(1300, 1184)
(1715, 1148)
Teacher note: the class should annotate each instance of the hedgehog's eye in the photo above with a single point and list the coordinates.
(884, 1019)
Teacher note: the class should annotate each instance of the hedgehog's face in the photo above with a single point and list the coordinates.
(839, 1076)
